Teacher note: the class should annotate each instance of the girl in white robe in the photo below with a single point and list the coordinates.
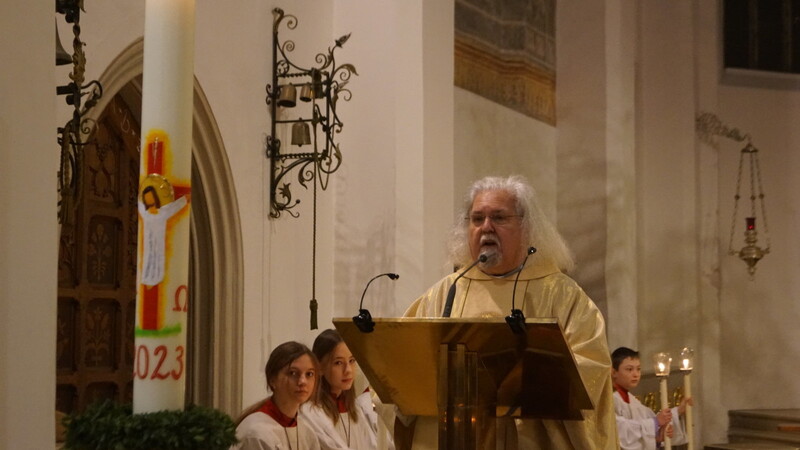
(273, 423)
(339, 421)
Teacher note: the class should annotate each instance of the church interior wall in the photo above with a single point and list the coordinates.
(666, 179)
(583, 117)
(491, 139)
(670, 200)
(398, 144)
(28, 228)
(620, 172)
(363, 188)
(620, 39)
(759, 316)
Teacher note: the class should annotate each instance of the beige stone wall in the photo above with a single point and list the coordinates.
(645, 206)
(28, 228)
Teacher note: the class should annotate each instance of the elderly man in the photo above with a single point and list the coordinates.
(501, 220)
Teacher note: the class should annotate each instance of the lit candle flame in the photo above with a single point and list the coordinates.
(687, 357)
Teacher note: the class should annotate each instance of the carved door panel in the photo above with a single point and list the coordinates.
(97, 269)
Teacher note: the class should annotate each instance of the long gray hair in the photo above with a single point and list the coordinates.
(540, 231)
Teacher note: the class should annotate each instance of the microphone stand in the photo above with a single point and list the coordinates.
(451, 294)
(364, 320)
(516, 320)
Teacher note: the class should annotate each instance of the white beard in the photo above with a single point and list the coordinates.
(493, 254)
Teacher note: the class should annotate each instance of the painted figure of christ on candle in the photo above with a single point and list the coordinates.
(164, 198)
(157, 209)
(162, 301)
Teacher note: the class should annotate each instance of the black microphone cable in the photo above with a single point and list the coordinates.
(451, 294)
(517, 320)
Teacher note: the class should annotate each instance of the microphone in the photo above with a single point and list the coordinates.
(517, 320)
(451, 294)
(364, 320)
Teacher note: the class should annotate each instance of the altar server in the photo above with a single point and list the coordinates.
(341, 417)
(273, 423)
(638, 426)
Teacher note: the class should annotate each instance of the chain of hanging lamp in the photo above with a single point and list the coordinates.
(750, 253)
(709, 126)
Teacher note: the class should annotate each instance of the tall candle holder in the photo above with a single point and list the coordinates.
(661, 364)
(687, 363)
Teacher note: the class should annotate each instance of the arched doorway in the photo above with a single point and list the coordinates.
(215, 355)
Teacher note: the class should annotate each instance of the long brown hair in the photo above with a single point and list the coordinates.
(281, 356)
(324, 345)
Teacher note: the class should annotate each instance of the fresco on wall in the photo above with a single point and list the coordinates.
(505, 51)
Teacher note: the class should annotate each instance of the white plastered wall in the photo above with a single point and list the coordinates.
(679, 289)
(399, 144)
(28, 228)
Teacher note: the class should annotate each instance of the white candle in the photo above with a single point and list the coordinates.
(664, 405)
(687, 392)
(382, 433)
(163, 269)
(687, 359)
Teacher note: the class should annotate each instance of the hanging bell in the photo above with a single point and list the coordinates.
(288, 96)
(301, 134)
(306, 93)
(316, 83)
(62, 57)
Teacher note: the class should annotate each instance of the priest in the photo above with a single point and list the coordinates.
(500, 224)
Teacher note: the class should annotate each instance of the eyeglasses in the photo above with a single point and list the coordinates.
(497, 219)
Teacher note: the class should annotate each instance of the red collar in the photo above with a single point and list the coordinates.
(271, 409)
(340, 402)
(622, 393)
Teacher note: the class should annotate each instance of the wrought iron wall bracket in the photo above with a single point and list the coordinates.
(313, 120)
(71, 135)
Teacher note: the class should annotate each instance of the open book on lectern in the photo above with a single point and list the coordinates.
(532, 374)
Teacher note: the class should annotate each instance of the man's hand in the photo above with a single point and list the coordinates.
(664, 417)
(682, 407)
(665, 431)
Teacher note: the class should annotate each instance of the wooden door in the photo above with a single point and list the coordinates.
(97, 269)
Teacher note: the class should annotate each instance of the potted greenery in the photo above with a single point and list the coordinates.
(110, 426)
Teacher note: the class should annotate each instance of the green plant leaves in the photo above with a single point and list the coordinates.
(107, 425)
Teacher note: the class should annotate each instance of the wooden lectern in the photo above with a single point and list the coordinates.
(468, 372)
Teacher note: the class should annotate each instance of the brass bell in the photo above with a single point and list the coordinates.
(288, 96)
(301, 134)
(306, 93)
(62, 57)
(316, 83)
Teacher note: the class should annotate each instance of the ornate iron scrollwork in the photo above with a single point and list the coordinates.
(321, 87)
(70, 136)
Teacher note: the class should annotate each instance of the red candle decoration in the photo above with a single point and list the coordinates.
(751, 223)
